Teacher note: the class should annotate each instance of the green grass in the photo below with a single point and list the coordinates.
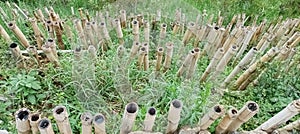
(41, 89)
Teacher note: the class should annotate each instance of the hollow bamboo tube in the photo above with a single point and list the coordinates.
(33, 51)
(58, 33)
(5, 35)
(245, 43)
(48, 51)
(159, 56)
(176, 28)
(14, 48)
(224, 61)
(37, 33)
(217, 44)
(244, 114)
(168, 57)
(266, 44)
(106, 36)
(174, 116)
(146, 31)
(62, 120)
(119, 31)
(50, 42)
(129, 116)
(81, 35)
(286, 129)
(146, 56)
(250, 79)
(188, 33)
(90, 35)
(163, 31)
(193, 65)
(83, 19)
(86, 121)
(99, 124)
(242, 64)
(68, 32)
(284, 115)
(50, 29)
(123, 18)
(233, 40)
(200, 36)
(149, 119)
(22, 121)
(45, 126)
(134, 49)
(216, 58)
(135, 30)
(186, 63)
(296, 41)
(213, 114)
(283, 54)
(41, 15)
(224, 123)
(12, 25)
(34, 120)
(142, 53)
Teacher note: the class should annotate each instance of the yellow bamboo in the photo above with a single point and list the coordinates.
(189, 32)
(60, 115)
(149, 119)
(168, 57)
(216, 58)
(193, 65)
(12, 25)
(186, 63)
(4, 35)
(159, 56)
(213, 114)
(224, 123)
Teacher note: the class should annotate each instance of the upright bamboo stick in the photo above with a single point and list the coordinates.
(216, 58)
(244, 114)
(159, 56)
(48, 51)
(81, 35)
(37, 33)
(146, 56)
(146, 31)
(12, 25)
(106, 37)
(123, 18)
(34, 122)
(119, 31)
(287, 113)
(58, 33)
(45, 126)
(141, 57)
(22, 121)
(86, 121)
(213, 114)
(16, 51)
(99, 124)
(186, 63)
(50, 42)
(224, 123)
(189, 32)
(162, 34)
(168, 57)
(62, 120)
(174, 116)
(4, 35)
(90, 36)
(129, 116)
(135, 30)
(50, 29)
(149, 119)
(33, 51)
(193, 65)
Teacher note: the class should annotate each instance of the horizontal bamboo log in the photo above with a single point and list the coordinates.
(225, 122)
(45, 126)
(244, 114)
(34, 122)
(60, 115)
(99, 124)
(86, 121)
(287, 113)
(12, 25)
(22, 121)
(149, 119)
(129, 116)
(213, 114)
(174, 116)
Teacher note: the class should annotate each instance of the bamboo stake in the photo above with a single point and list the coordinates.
(244, 114)
(86, 121)
(224, 123)
(129, 116)
(142, 53)
(37, 33)
(4, 35)
(12, 25)
(81, 34)
(285, 130)
(189, 32)
(174, 116)
(146, 31)
(287, 113)
(50, 29)
(146, 57)
(135, 30)
(193, 65)
(50, 42)
(20, 10)
(133, 51)
(246, 41)
(123, 18)
(22, 121)
(186, 63)
(62, 120)
(90, 37)
(34, 120)
(99, 124)
(218, 55)
(33, 51)
(213, 114)
(58, 33)
(149, 119)
(106, 37)
(48, 51)
(16, 51)
(168, 57)
(159, 53)
(119, 31)
(69, 32)
(45, 126)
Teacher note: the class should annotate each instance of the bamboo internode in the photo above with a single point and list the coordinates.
(159, 57)
(174, 116)
(5, 35)
(129, 116)
(168, 56)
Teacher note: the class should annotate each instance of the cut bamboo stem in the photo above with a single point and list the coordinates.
(99, 124)
(288, 128)
(18, 33)
(81, 35)
(86, 121)
(48, 51)
(62, 120)
(216, 58)
(168, 57)
(33, 51)
(123, 18)
(106, 37)
(174, 116)
(90, 36)
(22, 121)
(146, 31)
(159, 56)
(189, 32)
(146, 56)
(58, 33)
(129, 116)
(37, 33)
(213, 114)
(45, 126)
(135, 30)
(224, 123)
(287, 113)
(50, 29)
(50, 42)
(5, 35)
(186, 63)
(119, 31)
(16, 52)
(34, 122)
(162, 34)
(142, 53)
(149, 119)
(193, 65)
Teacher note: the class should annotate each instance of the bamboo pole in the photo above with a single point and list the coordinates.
(123, 18)
(146, 31)
(284, 115)
(186, 63)
(149, 119)
(99, 124)
(16, 52)
(58, 33)
(213, 114)
(141, 56)
(200, 35)
(12, 25)
(176, 28)
(129, 116)
(90, 36)
(135, 30)
(62, 120)
(216, 58)
(119, 31)
(50, 29)
(45, 126)
(86, 121)
(146, 56)
(33, 51)
(162, 34)
(48, 51)
(168, 57)
(50, 42)
(224, 123)
(106, 37)
(5, 35)
(193, 65)
(283, 53)
(188, 33)
(245, 43)
(288, 128)
(244, 114)
(174, 116)
(37, 33)
(22, 121)
(159, 56)
(81, 35)
(34, 120)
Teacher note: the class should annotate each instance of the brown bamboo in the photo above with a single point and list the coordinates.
(288, 128)
(168, 57)
(188, 33)
(99, 124)
(48, 51)
(45, 126)
(86, 121)
(174, 116)
(16, 52)
(50, 29)
(22, 121)
(5, 35)
(37, 33)
(213, 114)
(141, 56)
(129, 116)
(149, 119)
(244, 114)
(216, 58)
(123, 18)
(159, 56)
(50, 42)
(227, 119)
(119, 31)
(284, 115)
(62, 120)
(12, 25)
(193, 65)
(34, 120)
(33, 51)
(135, 30)
(58, 33)
(186, 63)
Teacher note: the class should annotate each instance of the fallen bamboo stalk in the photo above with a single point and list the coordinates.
(34, 122)
(22, 121)
(168, 57)
(45, 126)
(287, 113)
(174, 116)
(224, 123)
(162, 34)
(213, 114)
(86, 121)
(149, 119)
(99, 124)
(18, 33)
(128, 119)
